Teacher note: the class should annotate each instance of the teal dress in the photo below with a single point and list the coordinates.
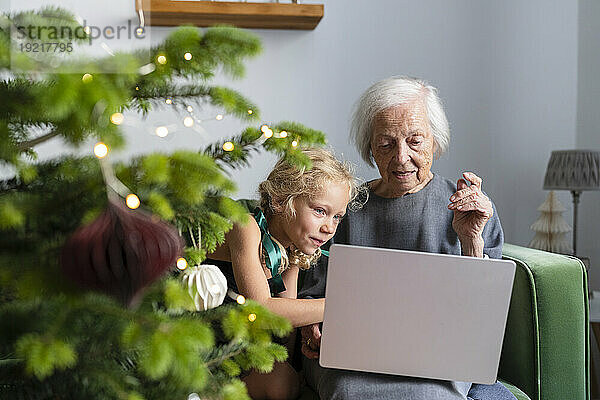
(272, 260)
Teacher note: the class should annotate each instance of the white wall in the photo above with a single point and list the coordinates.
(588, 130)
(507, 72)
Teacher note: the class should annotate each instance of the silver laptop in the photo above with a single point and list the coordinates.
(415, 314)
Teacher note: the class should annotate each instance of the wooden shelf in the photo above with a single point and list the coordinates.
(243, 15)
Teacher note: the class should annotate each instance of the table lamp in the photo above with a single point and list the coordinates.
(574, 170)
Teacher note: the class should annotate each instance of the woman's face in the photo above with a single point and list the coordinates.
(402, 146)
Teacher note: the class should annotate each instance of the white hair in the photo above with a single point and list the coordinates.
(395, 91)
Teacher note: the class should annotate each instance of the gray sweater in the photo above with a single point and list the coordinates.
(417, 221)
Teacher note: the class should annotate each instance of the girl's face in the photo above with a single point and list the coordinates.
(317, 219)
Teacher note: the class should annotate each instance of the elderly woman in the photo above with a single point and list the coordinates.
(400, 125)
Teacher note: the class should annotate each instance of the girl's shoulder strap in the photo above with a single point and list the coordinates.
(272, 252)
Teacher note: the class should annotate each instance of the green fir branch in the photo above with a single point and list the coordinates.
(62, 341)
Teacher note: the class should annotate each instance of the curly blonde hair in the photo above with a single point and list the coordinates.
(287, 182)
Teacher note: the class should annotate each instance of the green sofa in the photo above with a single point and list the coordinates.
(546, 351)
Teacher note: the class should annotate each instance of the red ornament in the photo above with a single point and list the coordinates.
(121, 252)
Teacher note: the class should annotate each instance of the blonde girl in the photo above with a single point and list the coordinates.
(300, 210)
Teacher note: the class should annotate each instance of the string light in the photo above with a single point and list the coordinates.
(188, 122)
(182, 263)
(283, 134)
(86, 78)
(140, 10)
(161, 59)
(87, 29)
(139, 31)
(132, 201)
(187, 56)
(117, 118)
(252, 317)
(268, 132)
(137, 88)
(250, 111)
(295, 143)
(162, 131)
(190, 108)
(219, 117)
(240, 299)
(169, 101)
(100, 150)
(228, 146)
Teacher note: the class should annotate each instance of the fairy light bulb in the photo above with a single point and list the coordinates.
(188, 122)
(161, 59)
(132, 201)
(162, 131)
(252, 317)
(219, 117)
(137, 88)
(228, 146)
(86, 78)
(190, 108)
(250, 111)
(181, 263)
(264, 128)
(295, 143)
(283, 134)
(187, 56)
(87, 29)
(139, 31)
(100, 150)
(240, 299)
(268, 133)
(169, 101)
(117, 118)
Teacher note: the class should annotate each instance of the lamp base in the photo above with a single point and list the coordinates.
(575, 194)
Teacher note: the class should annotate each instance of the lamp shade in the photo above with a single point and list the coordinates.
(577, 170)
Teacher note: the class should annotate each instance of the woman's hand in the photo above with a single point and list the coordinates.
(311, 341)
(472, 210)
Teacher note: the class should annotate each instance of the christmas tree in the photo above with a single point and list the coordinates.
(551, 228)
(91, 304)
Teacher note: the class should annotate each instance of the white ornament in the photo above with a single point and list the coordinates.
(551, 228)
(206, 285)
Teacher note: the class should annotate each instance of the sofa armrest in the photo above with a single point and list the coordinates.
(546, 344)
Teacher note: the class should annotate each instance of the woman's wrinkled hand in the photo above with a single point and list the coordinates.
(472, 208)
(311, 341)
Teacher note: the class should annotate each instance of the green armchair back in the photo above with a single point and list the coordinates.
(546, 350)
